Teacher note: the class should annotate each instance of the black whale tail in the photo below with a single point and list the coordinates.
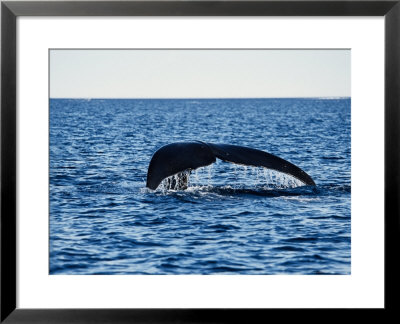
(178, 157)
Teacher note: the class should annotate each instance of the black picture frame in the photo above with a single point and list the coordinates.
(10, 10)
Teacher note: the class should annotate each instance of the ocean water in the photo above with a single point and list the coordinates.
(231, 220)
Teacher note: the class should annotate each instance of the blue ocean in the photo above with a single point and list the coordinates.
(231, 220)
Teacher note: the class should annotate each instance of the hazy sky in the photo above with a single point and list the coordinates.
(199, 73)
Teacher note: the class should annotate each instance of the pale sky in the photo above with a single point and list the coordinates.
(199, 73)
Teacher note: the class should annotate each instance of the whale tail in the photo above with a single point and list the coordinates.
(176, 158)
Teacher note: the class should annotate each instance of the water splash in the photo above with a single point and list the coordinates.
(275, 179)
(236, 176)
(176, 182)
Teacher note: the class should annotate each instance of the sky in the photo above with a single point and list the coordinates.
(199, 73)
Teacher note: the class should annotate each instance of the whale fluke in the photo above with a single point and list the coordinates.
(177, 158)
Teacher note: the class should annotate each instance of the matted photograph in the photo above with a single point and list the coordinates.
(200, 161)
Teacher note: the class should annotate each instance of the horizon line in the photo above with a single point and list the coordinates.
(196, 98)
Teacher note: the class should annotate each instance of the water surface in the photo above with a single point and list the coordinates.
(232, 219)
